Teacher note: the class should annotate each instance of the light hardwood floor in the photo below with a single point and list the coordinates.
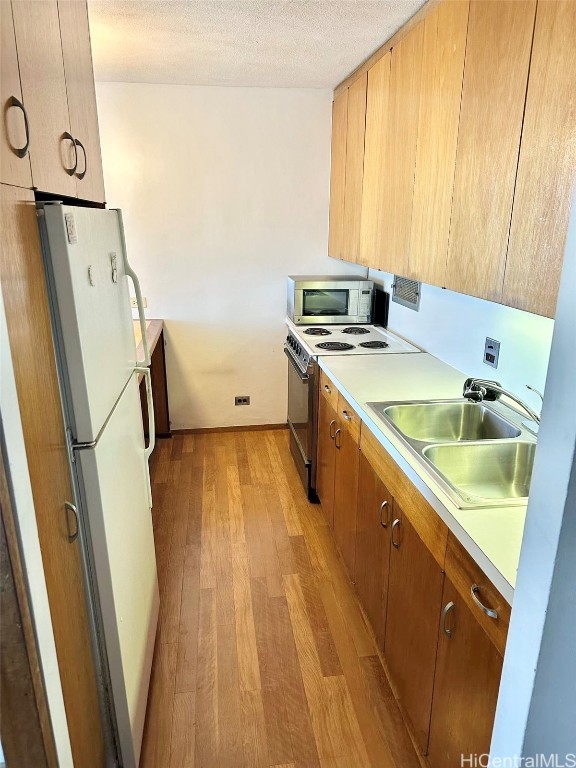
(263, 657)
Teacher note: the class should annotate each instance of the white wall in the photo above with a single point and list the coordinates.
(454, 327)
(224, 192)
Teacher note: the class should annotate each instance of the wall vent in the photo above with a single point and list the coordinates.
(406, 292)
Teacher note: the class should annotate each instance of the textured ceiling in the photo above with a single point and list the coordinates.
(266, 43)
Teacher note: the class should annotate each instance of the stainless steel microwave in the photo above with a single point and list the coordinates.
(325, 299)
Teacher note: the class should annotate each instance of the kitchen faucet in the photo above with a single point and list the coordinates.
(477, 390)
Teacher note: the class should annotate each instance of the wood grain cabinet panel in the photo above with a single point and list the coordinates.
(39, 47)
(354, 169)
(338, 175)
(346, 487)
(376, 139)
(414, 602)
(327, 417)
(547, 166)
(468, 673)
(493, 96)
(30, 336)
(375, 507)
(400, 153)
(444, 45)
(77, 53)
(13, 168)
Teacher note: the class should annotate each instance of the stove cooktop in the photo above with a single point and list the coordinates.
(349, 340)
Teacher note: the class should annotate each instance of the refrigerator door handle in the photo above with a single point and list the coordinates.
(151, 425)
(130, 272)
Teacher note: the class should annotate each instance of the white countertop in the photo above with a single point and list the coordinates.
(492, 535)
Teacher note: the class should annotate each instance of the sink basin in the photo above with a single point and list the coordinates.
(492, 472)
(448, 421)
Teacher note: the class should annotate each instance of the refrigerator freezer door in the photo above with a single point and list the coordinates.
(83, 251)
(115, 499)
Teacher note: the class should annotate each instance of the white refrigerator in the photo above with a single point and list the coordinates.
(88, 278)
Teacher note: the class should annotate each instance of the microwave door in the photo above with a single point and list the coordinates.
(326, 302)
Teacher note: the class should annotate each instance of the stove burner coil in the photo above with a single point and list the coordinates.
(317, 332)
(355, 330)
(374, 344)
(335, 346)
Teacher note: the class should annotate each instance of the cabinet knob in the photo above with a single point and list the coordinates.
(327, 388)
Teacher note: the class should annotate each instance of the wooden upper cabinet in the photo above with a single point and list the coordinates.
(39, 47)
(15, 162)
(354, 168)
(547, 167)
(376, 139)
(444, 46)
(77, 54)
(400, 153)
(338, 175)
(493, 98)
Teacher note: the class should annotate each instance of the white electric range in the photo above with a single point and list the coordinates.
(304, 345)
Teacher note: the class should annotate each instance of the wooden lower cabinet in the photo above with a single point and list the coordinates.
(374, 518)
(346, 488)
(326, 458)
(466, 687)
(413, 615)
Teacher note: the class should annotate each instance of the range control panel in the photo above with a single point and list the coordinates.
(297, 352)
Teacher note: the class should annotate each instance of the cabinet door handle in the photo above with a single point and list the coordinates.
(327, 389)
(474, 591)
(336, 443)
(395, 525)
(72, 532)
(346, 415)
(21, 151)
(78, 143)
(382, 508)
(332, 423)
(448, 608)
(71, 171)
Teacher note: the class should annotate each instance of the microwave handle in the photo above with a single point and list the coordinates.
(303, 376)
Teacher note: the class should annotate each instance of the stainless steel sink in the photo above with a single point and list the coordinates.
(448, 421)
(481, 455)
(482, 472)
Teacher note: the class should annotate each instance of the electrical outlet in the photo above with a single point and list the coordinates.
(134, 303)
(491, 352)
(242, 400)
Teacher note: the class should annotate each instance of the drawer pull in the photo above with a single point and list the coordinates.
(72, 532)
(332, 423)
(336, 443)
(382, 508)
(80, 175)
(449, 607)
(69, 137)
(346, 415)
(395, 525)
(14, 102)
(327, 389)
(474, 591)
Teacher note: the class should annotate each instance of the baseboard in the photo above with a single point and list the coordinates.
(243, 428)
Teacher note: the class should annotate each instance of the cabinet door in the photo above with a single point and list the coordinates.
(400, 153)
(354, 168)
(326, 458)
(44, 92)
(493, 96)
(444, 45)
(466, 687)
(30, 337)
(547, 166)
(338, 174)
(373, 546)
(414, 602)
(376, 139)
(77, 55)
(346, 492)
(13, 168)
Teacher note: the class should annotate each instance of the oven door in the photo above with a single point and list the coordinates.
(299, 410)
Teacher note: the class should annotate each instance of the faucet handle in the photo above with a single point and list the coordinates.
(536, 391)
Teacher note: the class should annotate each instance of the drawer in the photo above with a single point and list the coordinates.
(465, 574)
(348, 419)
(329, 390)
(428, 525)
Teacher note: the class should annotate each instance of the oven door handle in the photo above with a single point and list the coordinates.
(303, 376)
